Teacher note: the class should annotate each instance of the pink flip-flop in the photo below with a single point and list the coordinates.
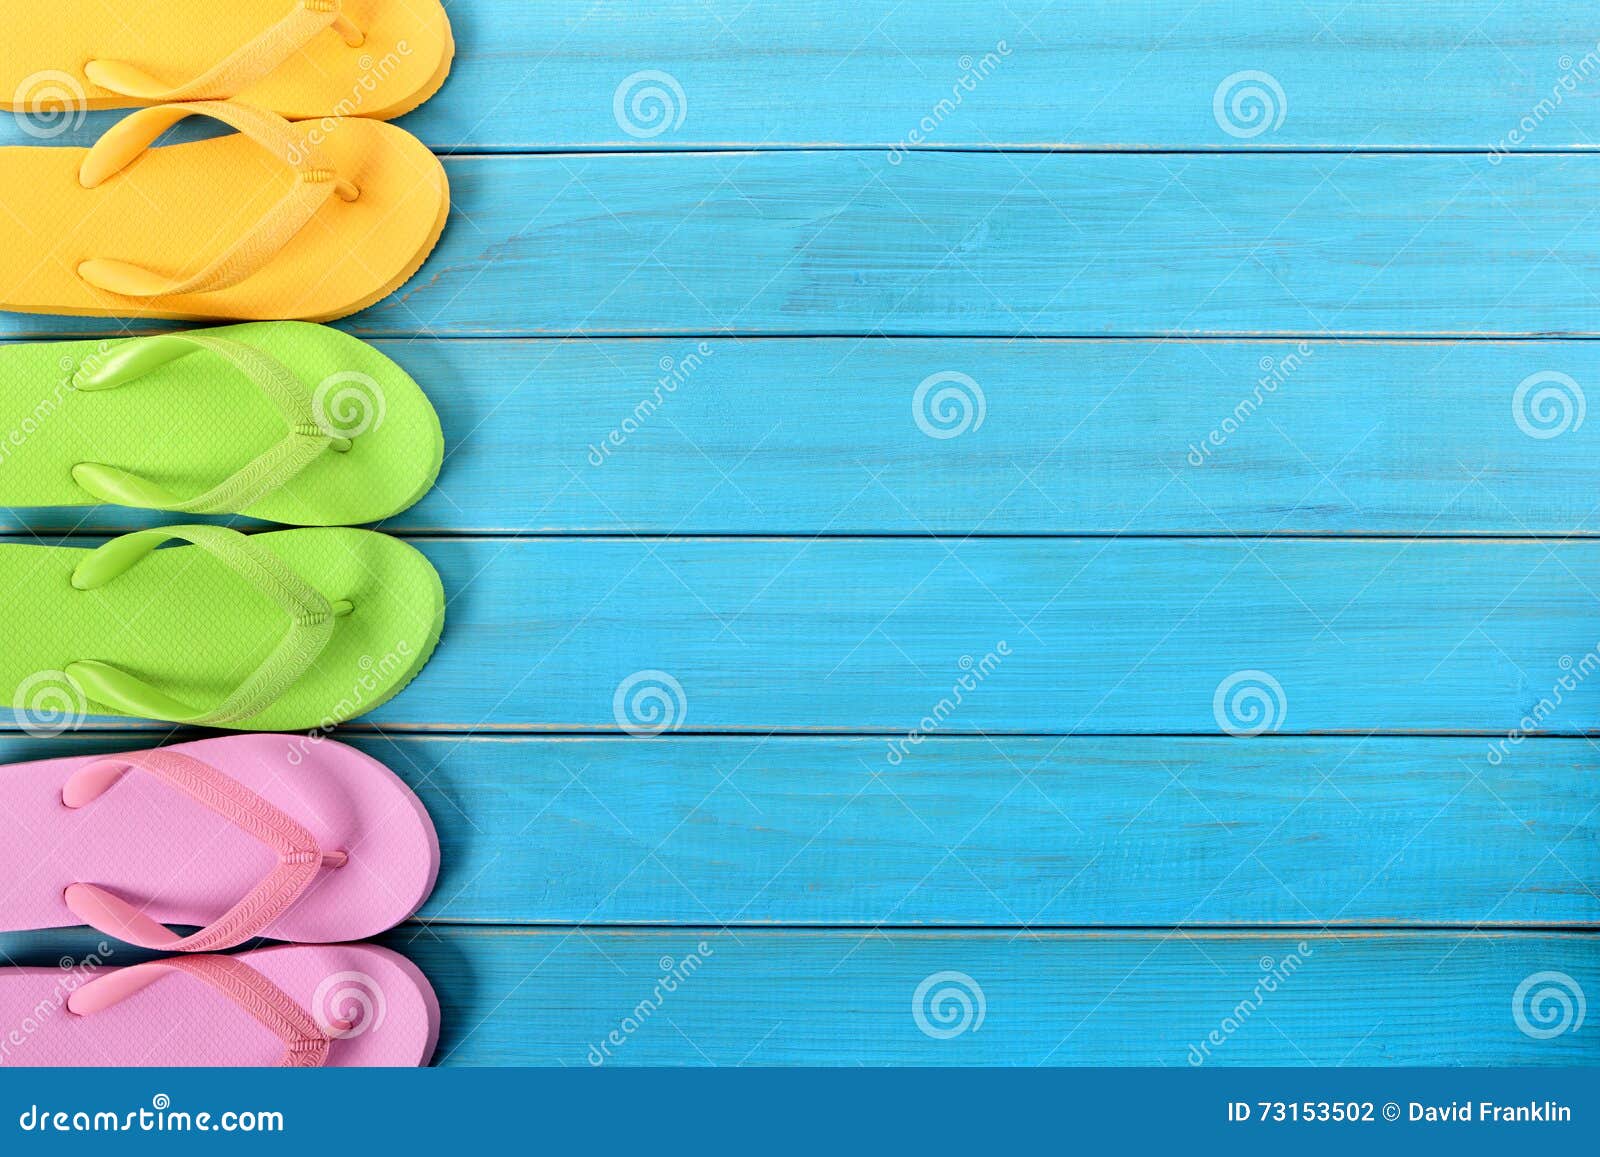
(341, 1005)
(248, 835)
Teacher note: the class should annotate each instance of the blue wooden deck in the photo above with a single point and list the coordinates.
(967, 474)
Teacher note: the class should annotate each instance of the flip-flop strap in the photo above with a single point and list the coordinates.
(299, 857)
(238, 70)
(127, 140)
(307, 1043)
(304, 442)
(311, 619)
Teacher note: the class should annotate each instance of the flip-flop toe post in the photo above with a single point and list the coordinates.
(299, 58)
(302, 1006)
(283, 421)
(285, 630)
(243, 837)
(310, 220)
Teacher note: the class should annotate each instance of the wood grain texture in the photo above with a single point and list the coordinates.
(544, 74)
(1459, 73)
(948, 244)
(1004, 831)
(1104, 635)
(523, 996)
(828, 436)
(1086, 187)
(1001, 832)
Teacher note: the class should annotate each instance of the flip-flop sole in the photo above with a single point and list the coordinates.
(194, 421)
(182, 864)
(399, 107)
(403, 58)
(377, 1005)
(179, 206)
(185, 623)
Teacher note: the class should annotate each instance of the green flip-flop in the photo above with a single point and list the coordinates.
(280, 631)
(283, 421)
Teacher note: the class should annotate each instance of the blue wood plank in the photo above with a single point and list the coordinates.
(1046, 636)
(1003, 831)
(1024, 74)
(1007, 831)
(1105, 636)
(513, 996)
(846, 243)
(1049, 437)
(852, 997)
(935, 821)
(1028, 73)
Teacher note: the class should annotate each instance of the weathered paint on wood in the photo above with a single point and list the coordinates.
(1188, 221)
(837, 436)
(965, 244)
(549, 74)
(852, 997)
(1026, 73)
(726, 996)
(1040, 636)
(1000, 831)
(1123, 635)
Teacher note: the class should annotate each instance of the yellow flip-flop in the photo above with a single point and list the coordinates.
(310, 219)
(298, 58)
